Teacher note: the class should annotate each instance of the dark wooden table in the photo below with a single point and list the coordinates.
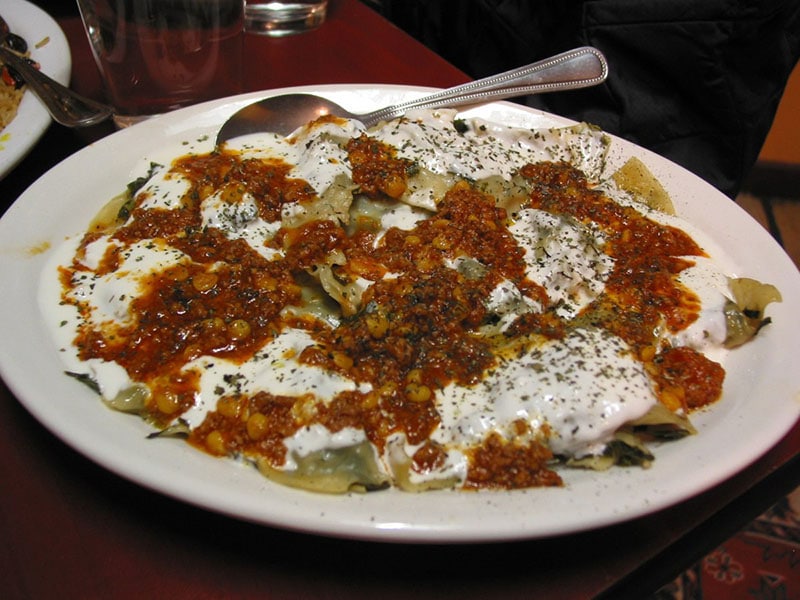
(70, 529)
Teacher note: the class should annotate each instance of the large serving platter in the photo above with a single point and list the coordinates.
(759, 406)
(53, 56)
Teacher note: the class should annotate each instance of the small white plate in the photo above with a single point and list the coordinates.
(761, 399)
(32, 119)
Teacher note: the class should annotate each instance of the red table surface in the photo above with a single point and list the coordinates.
(70, 529)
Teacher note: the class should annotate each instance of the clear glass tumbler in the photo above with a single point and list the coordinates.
(278, 19)
(158, 55)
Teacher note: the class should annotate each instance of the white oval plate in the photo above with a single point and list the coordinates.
(759, 406)
(32, 119)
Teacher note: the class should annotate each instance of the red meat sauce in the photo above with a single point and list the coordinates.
(411, 334)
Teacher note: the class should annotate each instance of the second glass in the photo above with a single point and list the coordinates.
(278, 19)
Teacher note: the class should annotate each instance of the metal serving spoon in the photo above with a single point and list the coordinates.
(578, 68)
(64, 105)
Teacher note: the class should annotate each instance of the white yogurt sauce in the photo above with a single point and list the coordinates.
(164, 190)
(583, 387)
(108, 296)
(240, 220)
(563, 256)
(110, 307)
(274, 369)
(485, 149)
(707, 334)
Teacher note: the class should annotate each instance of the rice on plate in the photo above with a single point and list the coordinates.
(9, 102)
(12, 87)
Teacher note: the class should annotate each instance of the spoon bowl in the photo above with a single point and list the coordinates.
(280, 114)
(578, 68)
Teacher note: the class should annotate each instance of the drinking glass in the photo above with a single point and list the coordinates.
(158, 55)
(278, 19)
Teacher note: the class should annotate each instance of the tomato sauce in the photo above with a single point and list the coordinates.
(412, 334)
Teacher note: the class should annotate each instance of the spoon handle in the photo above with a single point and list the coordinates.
(578, 68)
(65, 106)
